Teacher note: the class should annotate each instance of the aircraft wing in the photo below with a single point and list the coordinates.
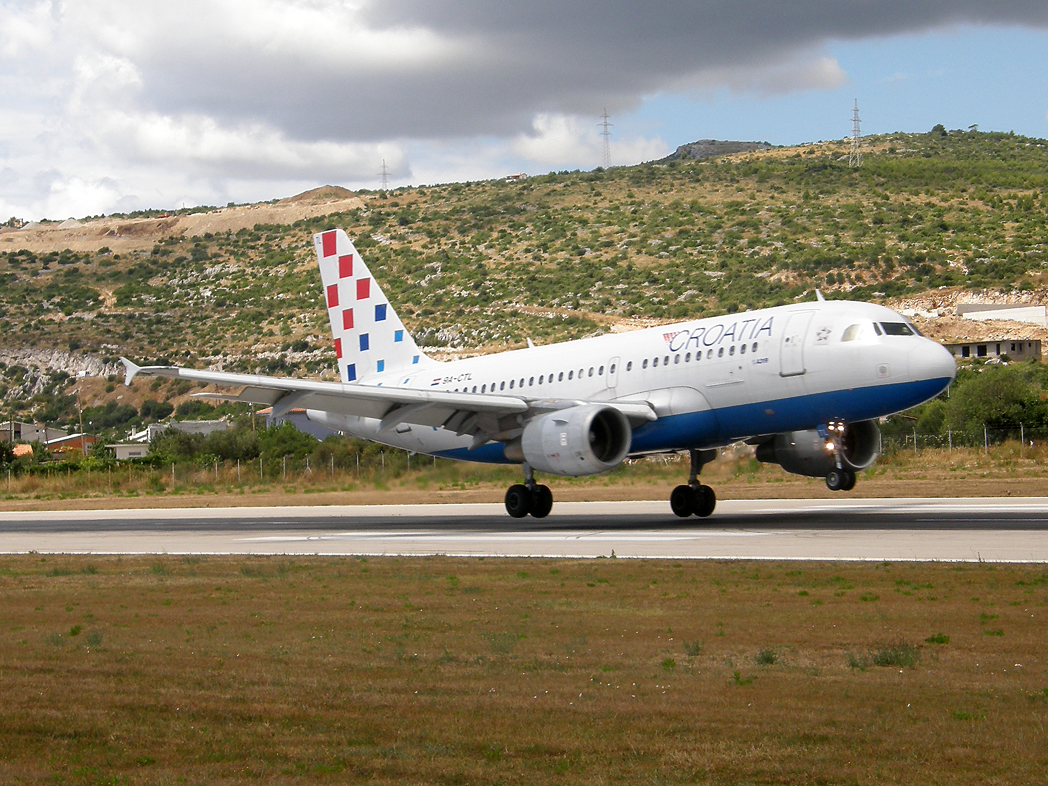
(484, 416)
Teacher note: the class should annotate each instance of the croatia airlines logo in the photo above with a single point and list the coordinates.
(718, 333)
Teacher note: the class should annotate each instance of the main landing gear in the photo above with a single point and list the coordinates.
(840, 480)
(529, 497)
(695, 498)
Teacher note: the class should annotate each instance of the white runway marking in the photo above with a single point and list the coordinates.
(1013, 530)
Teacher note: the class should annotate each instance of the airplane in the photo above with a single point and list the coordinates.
(803, 383)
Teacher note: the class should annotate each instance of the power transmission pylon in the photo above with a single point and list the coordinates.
(605, 131)
(385, 176)
(855, 156)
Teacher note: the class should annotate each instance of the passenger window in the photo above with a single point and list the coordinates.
(522, 381)
(502, 386)
(742, 349)
(709, 354)
(571, 375)
(531, 382)
(612, 369)
(511, 384)
(560, 377)
(645, 363)
(720, 352)
(474, 388)
(540, 379)
(666, 360)
(687, 358)
(601, 371)
(591, 371)
(732, 350)
(483, 388)
(629, 366)
(655, 363)
(676, 359)
(754, 347)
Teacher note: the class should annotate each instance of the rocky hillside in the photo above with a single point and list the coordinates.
(476, 267)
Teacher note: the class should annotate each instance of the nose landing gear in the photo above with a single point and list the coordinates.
(840, 478)
(695, 498)
(529, 497)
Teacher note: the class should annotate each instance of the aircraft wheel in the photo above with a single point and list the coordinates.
(682, 501)
(836, 479)
(849, 480)
(518, 501)
(541, 501)
(705, 501)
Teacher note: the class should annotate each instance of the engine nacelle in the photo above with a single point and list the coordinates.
(807, 453)
(583, 440)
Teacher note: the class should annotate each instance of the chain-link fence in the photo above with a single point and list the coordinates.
(984, 439)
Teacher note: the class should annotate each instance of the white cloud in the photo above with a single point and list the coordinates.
(560, 141)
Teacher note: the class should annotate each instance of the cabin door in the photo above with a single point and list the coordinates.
(791, 351)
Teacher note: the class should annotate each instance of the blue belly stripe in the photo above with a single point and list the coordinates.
(729, 424)
(723, 426)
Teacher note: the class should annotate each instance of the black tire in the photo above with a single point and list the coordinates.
(682, 501)
(518, 501)
(849, 480)
(835, 480)
(705, 501)
(541, 501)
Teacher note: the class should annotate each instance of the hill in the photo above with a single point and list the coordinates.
(928, 219)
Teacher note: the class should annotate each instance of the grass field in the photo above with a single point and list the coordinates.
(449, 671)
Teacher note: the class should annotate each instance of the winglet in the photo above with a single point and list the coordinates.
(819, 297)
(130, 370)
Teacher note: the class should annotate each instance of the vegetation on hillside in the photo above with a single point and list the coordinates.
(476, 265)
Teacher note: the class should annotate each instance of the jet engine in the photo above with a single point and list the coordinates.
(582, 440)
(807, 453)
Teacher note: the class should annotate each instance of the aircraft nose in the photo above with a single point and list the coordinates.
(930, 360)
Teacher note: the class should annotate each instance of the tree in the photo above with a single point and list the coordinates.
(7, 455)
(285, 440)
(999, 397)
(153, 410)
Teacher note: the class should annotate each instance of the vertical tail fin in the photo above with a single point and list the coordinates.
(369, 336)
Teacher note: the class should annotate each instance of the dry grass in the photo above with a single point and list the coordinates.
(449, 671)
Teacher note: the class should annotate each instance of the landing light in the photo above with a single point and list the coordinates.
(830, 446)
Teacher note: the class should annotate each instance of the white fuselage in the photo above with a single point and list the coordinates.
(710, 381)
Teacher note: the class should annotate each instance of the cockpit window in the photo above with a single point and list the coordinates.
(853, 333)
(897, 329)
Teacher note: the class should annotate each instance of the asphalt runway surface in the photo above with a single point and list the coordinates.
(991, 530)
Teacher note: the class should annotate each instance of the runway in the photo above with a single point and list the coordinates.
(991, 530)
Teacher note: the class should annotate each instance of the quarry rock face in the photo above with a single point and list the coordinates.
(74, 364)
(711, 148)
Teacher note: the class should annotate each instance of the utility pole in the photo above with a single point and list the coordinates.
(605, 132)
(385, 176)
(80, 415)
(855, 156)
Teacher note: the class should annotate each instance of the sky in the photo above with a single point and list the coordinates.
(112, 106)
